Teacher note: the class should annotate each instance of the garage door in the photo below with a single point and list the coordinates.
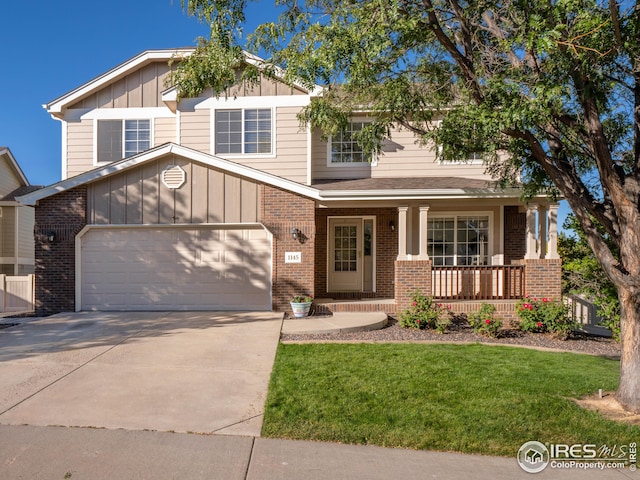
(155, 268)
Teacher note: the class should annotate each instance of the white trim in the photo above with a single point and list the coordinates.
(467, 213)
(258, 176)
(212, 121)
(152, 125)
(309, 155)
(87, 228)
(266, 101)
(133, 113)
(374, 247)
(57, 106)
(330, 164)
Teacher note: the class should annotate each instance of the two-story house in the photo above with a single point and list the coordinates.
(228, 203)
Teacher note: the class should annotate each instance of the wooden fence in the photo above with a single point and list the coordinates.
(16, 293)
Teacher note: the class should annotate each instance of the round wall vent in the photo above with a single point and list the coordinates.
(173, 176)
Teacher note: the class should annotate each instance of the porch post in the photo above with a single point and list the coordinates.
(531, 253)
(424, 212)
(542, 231)
(402, 233)
(553, 231)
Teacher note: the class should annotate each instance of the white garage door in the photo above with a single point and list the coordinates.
(151, 268)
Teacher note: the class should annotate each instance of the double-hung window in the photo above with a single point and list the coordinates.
(243, 131)
(458, 240)
(344, 149)
(118, 139)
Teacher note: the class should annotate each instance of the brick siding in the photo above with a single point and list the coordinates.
(411, 275)
(543, 278)
(386, 251)
(280, 212)
(515, 241)
(63, 215)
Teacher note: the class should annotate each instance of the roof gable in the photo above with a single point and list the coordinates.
(9, 166)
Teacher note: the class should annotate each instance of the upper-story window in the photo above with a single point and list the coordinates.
(344, 149)
(118, 139)
(243, 131)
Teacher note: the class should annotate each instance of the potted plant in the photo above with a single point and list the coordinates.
(301, 304)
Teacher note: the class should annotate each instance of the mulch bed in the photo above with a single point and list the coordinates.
(461, 333)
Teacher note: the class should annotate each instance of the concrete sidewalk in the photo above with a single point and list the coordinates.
(28, 452)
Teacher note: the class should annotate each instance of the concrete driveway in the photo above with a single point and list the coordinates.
(199, 372)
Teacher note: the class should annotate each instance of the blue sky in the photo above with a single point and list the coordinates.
(50, 47)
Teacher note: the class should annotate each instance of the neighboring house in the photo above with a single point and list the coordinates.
(227, 203)
(16, 221)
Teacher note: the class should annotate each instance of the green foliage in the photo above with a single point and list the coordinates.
(425, 313)
(583, 274)
(484, 321)
(545, 315)
(302, 299)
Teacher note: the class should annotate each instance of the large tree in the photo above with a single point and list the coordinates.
(546, 89)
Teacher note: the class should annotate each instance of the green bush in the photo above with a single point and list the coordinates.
(484, 321)
(545, 316)
(425, 313)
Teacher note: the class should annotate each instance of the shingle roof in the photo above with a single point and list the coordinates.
(410, 183)
(10, 197)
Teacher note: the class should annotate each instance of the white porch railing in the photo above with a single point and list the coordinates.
(494, 282)
(16, 293)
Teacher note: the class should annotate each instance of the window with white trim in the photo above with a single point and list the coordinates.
(118, 139)
(344, 149)
(243, 131)
(458, 240)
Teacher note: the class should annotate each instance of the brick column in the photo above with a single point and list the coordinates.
(543, 278)
(62, 215)
(411, 275)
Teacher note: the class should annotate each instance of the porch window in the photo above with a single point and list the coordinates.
(458, 240)
(344, 149)
(245, 131)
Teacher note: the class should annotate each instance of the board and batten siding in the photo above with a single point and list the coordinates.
(142, 88)
(402, 156)
(138, 197)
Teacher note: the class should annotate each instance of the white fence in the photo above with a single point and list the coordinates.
(16, 293)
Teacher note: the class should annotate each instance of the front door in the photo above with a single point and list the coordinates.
(345, 255)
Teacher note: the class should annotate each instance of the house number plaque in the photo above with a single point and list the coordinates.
(292, 257)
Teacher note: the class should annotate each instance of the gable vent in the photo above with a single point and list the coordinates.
(173, 176)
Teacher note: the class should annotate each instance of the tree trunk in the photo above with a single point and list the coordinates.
(629, 389)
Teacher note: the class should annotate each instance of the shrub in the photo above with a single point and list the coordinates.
(484, 321)
(425, 313)
(545, 316)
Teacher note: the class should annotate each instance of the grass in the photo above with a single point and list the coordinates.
(463, 398)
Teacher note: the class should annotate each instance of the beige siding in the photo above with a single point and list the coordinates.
(142, 88)
(26, 220)
(9, 181)
(138, 196)
(79, 147)
(401, 156)
(164, 130)
(8, 232)
(291, 149)
(195, 130)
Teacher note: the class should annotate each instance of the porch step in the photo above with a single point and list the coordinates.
(341, 322)
(332, 305)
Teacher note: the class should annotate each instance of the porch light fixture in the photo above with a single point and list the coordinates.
(51, 236)
(392, 225)
(296, 234)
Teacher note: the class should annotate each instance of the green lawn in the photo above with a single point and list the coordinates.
(465, 398)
